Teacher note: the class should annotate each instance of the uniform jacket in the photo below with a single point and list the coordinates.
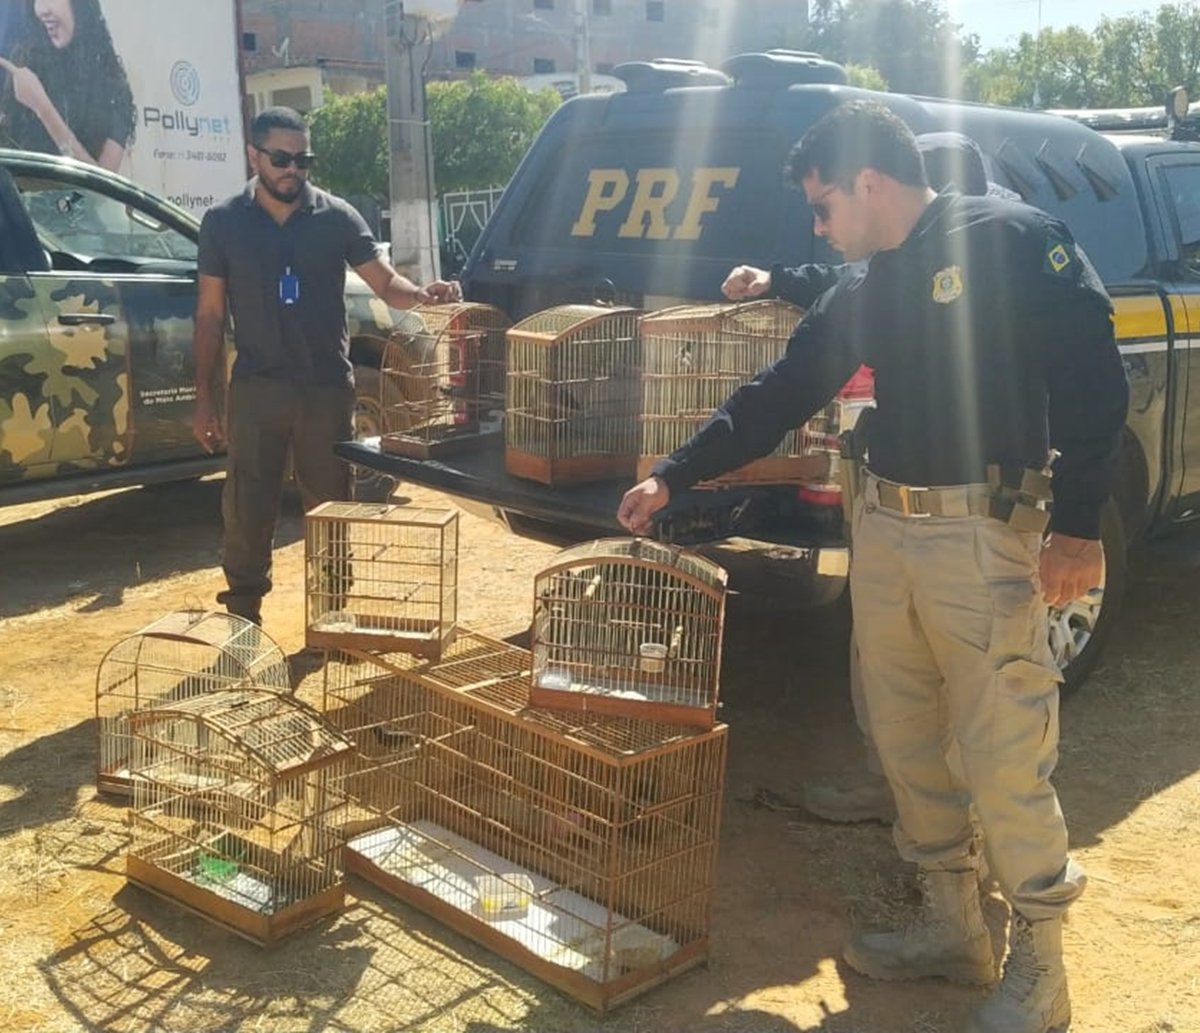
(991, 338)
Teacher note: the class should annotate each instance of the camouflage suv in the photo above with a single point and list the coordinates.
(97, 295)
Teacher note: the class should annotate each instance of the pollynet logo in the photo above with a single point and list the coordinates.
(185, 83)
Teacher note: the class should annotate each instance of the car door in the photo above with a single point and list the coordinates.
(27, 413)
(119, 299)
(1179, 179)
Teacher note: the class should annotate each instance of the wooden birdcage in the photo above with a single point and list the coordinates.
(442, 390)
(233, 796)
(381, 577)
(182, 654)
(579, 846)
(572, 395)
(629, 626)
(693, 358)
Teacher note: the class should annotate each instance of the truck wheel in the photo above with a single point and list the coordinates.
(368, 485)
(1078, 631)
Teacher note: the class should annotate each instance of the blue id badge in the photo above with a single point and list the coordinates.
(289, 287)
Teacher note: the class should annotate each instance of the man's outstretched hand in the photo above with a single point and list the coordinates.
(641, 502)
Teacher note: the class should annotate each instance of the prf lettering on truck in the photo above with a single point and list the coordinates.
(654, 192)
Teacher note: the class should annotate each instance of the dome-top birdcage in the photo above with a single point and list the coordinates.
(234, 793)
(629, 626)
(572, 395)
(183, 654)
(442, 388)
(693, 358)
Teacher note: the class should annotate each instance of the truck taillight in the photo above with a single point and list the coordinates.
(822, 431)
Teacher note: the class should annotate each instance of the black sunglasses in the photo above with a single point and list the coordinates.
(282, 159)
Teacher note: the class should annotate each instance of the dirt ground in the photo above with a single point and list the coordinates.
(83, 951)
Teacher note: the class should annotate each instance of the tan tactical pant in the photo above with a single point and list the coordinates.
(952, 638)
(265, 417)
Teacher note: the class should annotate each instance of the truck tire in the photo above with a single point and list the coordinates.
(368, 485)
(1079, 631)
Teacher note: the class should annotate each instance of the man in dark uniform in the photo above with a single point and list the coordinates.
(278, 254)
(952, 161)
(991, 338)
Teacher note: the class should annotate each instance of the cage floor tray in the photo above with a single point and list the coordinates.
(557, 925)
(559, 689)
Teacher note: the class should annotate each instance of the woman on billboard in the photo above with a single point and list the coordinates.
(67, 89)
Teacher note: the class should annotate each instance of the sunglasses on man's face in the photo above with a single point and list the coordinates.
(282, 159)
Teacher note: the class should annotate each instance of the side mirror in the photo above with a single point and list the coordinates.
(1177, 103)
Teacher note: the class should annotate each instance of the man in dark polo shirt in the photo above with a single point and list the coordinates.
(277, 253)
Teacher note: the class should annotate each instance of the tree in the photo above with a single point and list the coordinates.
(865, 77)
(913, 44)
(1131, 61)
(349, 136)
(482, 127)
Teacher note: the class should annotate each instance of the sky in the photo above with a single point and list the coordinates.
(998, 23)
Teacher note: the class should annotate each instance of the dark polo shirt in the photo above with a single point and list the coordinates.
(240, 243)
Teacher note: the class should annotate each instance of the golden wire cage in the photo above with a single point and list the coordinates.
(182, 654)
(442, 390)
(572, 395)
(233, 797)
(579, 846)
(629, 626)
(693, 358)
(381, 576)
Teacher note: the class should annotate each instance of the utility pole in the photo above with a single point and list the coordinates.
(583, 48)
(413, 215)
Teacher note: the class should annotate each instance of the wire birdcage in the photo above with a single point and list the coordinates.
(629, 626)
(693, 358)
(442, 390)
(572, 395)
(233, 797)
(182, 654)
(579, 846)
(381, 577)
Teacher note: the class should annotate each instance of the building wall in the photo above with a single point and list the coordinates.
(515, 37)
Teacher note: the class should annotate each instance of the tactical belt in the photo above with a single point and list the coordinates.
(1022, 510)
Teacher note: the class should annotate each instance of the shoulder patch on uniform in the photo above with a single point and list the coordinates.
(1060, 256)
(947, 284)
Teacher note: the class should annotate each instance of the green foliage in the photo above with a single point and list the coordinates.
(1130, 61)
(482, 127)
(349, 136)
(911, 43)
(865, 77)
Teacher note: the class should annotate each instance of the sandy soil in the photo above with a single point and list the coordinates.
(81, 950)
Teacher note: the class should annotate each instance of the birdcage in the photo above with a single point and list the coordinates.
(629, 626)
(693, 358)
(442, 390)
(233, 794)
(381, 577)
(572, 395)
(182, 654)
(579, 846)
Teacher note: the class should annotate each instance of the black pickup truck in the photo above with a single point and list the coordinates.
(650, 196)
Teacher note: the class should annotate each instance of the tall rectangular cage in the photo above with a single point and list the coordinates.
(693, 358)
(579, 846)
(442, 389)
(632, 627)
(182, 654)
(233, 811)
(381, 577)
(572, 395)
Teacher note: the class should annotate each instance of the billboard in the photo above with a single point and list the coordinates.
(142, 87)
